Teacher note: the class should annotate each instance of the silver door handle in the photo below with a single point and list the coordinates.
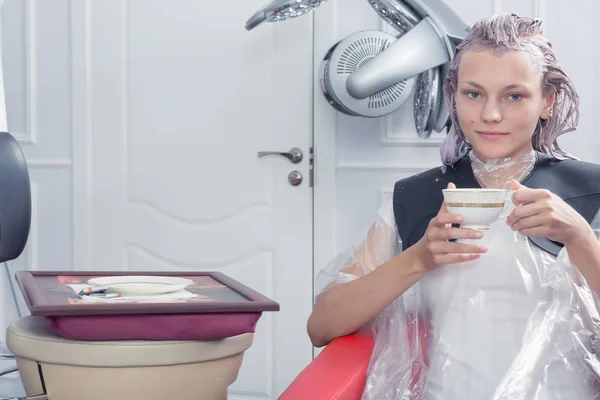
(294, 155)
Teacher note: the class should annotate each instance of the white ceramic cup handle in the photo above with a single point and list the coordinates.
(508, 204)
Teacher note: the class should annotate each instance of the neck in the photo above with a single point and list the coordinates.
(496, 173)
(523, 153)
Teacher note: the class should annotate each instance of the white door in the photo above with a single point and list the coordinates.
(172, 102)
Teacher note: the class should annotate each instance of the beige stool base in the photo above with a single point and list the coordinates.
(41, 366)
(189, 381)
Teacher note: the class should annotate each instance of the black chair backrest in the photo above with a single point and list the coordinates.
(15, 199)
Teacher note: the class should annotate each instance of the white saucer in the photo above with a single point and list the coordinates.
(140, 285)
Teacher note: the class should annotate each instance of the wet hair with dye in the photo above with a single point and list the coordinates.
(506, 32)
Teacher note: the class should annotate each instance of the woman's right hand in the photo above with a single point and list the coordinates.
(435, 248)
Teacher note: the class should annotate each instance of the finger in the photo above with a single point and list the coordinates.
(443, 209)
(541, 230)
(444, 218)
(515, 185)
(455, 233)
(451, 185)
(447, 259)
(530, 222)
(526, 195)
(457, 248)
(527, 210)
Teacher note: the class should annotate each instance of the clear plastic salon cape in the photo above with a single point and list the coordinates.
(517, 323)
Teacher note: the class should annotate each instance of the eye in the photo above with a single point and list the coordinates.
(515, 97)
(473, 95)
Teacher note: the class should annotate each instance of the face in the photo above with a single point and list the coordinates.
(499, 101)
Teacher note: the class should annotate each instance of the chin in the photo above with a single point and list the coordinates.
(495, 153)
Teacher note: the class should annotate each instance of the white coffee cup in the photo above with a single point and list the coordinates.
(479, 207)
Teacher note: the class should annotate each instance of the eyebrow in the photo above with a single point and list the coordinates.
(509, 87)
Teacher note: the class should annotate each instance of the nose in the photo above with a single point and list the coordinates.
(491, 112)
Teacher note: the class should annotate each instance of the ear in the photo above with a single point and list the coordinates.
(548, 103)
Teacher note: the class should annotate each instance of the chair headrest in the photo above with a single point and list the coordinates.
(15, 199)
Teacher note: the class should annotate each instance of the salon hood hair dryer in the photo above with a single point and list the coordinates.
(372, 73)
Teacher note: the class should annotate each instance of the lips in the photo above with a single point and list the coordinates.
(492, 135)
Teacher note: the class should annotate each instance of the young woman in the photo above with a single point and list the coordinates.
(509, 313)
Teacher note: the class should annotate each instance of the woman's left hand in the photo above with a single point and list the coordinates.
(540, 212)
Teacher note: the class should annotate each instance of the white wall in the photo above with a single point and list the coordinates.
(358, 160)
(36, 61)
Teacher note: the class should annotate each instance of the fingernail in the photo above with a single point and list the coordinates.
(459, 219)
(484, 248)
(478, 234)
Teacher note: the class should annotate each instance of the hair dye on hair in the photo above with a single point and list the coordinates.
(510, 32)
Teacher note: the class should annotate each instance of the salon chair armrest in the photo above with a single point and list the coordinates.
(339, 372)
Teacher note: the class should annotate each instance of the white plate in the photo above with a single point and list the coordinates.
(142, 285)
